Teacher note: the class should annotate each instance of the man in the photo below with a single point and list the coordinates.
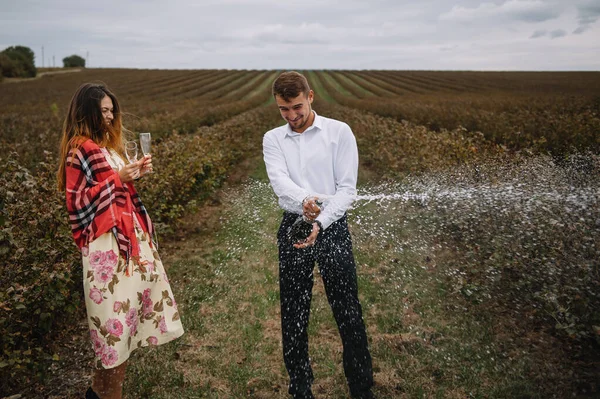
(311, 159)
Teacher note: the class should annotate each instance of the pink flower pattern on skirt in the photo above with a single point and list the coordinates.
(104, 273)
(162, 325)
(141, 312)
(114, 327)
(147, 303)
(131, 319)
(97, 342)
(97, 258)
(96, 295)
(111, 258)
(109, 356)
(126, 312)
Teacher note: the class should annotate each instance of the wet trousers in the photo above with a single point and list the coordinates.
(333, 254)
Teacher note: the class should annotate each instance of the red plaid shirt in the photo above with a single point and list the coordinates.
(98, 202)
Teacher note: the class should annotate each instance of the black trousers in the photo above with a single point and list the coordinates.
(333, 253)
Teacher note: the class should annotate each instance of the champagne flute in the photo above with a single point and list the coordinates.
(145, 143)
(131, 151)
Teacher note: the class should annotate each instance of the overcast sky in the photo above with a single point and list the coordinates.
(310, 34)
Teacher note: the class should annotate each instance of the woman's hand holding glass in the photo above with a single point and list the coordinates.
(146, 165)
(131, 171)
(145, 145)
(136, 169)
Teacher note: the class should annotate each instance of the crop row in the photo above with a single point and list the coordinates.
(160, 102)
(534, 111)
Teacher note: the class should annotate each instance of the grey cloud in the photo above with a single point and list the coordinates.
(538, 33)
(588, 14)
(540, 15)
(581, 29)
(339, 34)
(590, 9)
(588, 19)
(528, 11)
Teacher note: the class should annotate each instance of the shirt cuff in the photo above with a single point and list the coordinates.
(324, 221)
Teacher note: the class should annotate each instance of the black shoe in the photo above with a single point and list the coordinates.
(90, 394)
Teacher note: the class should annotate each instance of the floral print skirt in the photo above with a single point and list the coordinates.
(126, 312)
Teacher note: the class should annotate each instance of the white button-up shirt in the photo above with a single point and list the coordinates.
(322, 162)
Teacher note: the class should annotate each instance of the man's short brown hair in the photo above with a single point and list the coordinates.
(290, 85)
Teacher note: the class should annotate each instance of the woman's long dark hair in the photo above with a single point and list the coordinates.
(85, 121)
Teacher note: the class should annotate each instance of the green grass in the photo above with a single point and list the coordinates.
(317, 86)
(328, 78)
(350, 85)
(427, 339)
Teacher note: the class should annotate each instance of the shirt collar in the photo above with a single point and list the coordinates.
(317, 124)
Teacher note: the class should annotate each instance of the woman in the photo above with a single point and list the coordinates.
(129, 301)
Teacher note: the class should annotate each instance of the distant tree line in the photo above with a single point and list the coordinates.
(73, 61)
(18, 62)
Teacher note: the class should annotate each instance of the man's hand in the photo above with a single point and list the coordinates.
(310, 240)
(310, 209)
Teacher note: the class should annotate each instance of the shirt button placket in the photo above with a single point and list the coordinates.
(302, 159)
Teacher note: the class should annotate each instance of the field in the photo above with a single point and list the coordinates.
(476, 234)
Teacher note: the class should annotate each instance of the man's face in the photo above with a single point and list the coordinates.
(297, 112)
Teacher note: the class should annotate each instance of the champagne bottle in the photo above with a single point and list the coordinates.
(302, 227)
